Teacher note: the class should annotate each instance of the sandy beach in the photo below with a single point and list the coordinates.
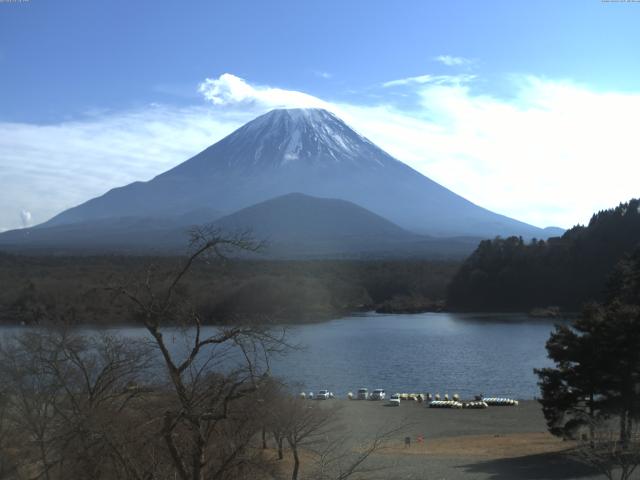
(497, 443)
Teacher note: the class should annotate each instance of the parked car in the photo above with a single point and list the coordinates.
(378, 394)
(324, 395)
(363, 394)
(394, 400)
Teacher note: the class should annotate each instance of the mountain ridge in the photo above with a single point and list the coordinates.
(310, 151)
(296, 215)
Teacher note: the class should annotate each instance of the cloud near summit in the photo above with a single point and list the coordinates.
(549, 152)
(229, 89)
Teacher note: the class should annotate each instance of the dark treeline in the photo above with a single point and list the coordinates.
(511, 274)
(37, 289)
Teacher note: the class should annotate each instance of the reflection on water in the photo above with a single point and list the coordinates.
(467, 354)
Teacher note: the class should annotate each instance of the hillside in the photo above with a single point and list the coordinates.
(290, 226)
(511, 274)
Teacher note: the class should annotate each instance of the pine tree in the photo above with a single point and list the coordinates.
(597, 357)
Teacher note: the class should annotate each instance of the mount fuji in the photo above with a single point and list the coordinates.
(306, 151)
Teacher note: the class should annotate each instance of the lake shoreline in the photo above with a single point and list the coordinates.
(357, 313)
(467, 354)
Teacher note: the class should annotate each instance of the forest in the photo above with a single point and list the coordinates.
(76, 290)
(509, 274)
(503, 274)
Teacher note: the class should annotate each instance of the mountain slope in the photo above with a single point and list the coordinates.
(300, 150)
(299, 217)
(293, 226)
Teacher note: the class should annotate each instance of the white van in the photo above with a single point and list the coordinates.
(378, 394)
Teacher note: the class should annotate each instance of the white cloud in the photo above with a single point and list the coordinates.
(231, 90)
(434, 79)
(451, 61)
(409, 80)
(552, 153)
(45, 169)
(25, 216)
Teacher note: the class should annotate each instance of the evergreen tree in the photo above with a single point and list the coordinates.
(597, 372)
(572, 391)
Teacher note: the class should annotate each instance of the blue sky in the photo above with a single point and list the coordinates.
(490, 99)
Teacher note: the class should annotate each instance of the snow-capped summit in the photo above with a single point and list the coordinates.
(311, 134)
(310, 151)
(292, 138)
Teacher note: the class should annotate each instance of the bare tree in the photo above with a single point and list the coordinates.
(340, 458)
(8, 464)
(314, 432)
(69, 395)
(304, 424)
(217, 369)
(101, 380)
(603, 449)
(31, 405)
(273, 402)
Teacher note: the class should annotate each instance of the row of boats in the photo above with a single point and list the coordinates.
(478, 404)
(433, 401)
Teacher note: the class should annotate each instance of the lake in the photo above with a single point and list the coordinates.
(468, 354)
(432, 352)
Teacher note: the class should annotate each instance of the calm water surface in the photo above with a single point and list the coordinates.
(494, 354)
(433, 352)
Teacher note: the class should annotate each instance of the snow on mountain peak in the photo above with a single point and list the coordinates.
(311, 135)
